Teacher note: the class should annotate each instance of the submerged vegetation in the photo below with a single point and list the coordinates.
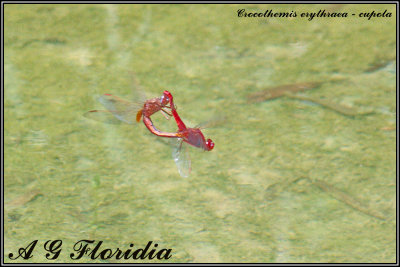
(70, 178)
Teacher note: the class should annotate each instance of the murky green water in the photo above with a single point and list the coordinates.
(288, 181)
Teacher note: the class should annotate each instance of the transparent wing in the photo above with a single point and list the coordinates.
(180, 154)
(212, 123)
(138, 93)
(102, 116)
(123, 110)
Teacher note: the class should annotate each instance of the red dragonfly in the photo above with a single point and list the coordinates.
(128, 112)
(192, 136)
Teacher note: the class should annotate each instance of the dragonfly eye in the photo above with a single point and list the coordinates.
(210, 144)
(163, 100)
(167, 96)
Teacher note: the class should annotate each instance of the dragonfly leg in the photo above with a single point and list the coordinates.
(165, 114)
(169, 114)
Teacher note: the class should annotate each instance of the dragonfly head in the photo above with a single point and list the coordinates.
(209, 144)
(166, 98)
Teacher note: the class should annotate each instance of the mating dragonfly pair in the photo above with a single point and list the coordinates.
(126, 111)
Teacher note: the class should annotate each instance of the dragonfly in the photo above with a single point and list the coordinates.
(191, 136)
(129, 112)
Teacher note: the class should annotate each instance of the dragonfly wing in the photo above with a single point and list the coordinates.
(138, 93)
(212, 123)
(103, 116)
(123, 110)
(181, 157)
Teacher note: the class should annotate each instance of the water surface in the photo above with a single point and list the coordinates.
(288, 180)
